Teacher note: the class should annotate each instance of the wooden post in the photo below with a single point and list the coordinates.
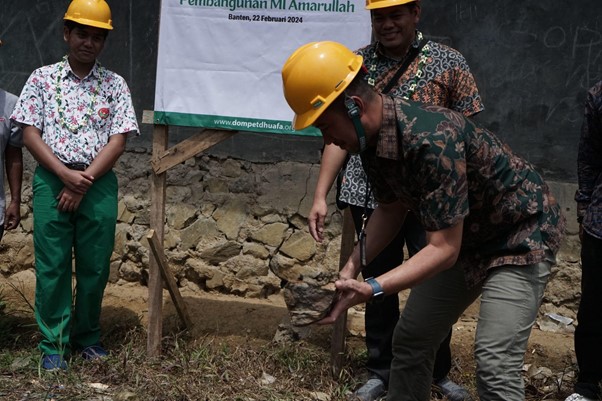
(337, 346)
(157, 222)
(157, 251)
(188, 148)
(162, 160)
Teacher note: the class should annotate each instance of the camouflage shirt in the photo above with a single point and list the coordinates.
(446, 169)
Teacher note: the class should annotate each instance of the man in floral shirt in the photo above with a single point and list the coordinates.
(75, 116)
(438, 75)
(588, 335)
(493, 227)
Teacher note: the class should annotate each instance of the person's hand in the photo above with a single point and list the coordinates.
(68, 200)
(350, 292)
(12, 216)
(316, 218)
(77, 181)
(348, 272)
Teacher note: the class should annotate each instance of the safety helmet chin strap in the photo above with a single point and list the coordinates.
(354, 114)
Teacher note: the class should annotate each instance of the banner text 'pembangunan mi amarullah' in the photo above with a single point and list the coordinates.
(233, 5)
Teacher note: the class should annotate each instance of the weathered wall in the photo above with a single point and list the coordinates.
(230, 223)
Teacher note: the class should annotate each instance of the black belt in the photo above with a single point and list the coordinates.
(76, 166)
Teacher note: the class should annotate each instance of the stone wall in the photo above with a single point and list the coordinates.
(231, 223)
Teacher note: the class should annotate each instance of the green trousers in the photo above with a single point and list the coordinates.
(70, 320)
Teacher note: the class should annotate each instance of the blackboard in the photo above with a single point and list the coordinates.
(533, 61)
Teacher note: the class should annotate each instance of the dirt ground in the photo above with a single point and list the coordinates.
(234, 316)
(549, 356)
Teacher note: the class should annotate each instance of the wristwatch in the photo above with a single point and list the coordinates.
(377, 291)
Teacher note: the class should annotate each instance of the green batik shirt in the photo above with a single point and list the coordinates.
(446, 169)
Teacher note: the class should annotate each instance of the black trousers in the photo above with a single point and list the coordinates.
(381, 318)
(588, 334)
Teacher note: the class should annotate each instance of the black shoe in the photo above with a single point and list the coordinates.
(372, 390)
(451, 390)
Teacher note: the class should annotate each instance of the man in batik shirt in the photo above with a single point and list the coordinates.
(76, 116)
(439, 75)
(588, 335)
(11, 161)
(492, 225)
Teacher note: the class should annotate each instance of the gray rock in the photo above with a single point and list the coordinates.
(254, 249)
(231, 217)
(308, 303)
(300, 245)
(201, 229)
(221, 252)
(181, 215)
(270, 234)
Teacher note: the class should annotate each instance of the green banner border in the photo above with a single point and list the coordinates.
(230, 123)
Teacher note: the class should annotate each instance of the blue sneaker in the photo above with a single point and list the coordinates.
(93, 352)
(54, 362)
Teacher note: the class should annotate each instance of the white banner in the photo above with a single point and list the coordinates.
(219, 61)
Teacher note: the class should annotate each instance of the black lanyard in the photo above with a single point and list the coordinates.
(362, 235)
(412, 53)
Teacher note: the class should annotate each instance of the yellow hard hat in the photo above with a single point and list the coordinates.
(373, 4)
(314, 76)
(94, 13)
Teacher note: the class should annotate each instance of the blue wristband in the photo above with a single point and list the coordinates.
(377, 289)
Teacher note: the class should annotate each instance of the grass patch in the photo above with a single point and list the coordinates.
(202, 368)
(209, 368)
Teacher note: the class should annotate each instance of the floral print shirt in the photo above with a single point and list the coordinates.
(445, 80)
(589, 165)
(91, 110)
(448, 169)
